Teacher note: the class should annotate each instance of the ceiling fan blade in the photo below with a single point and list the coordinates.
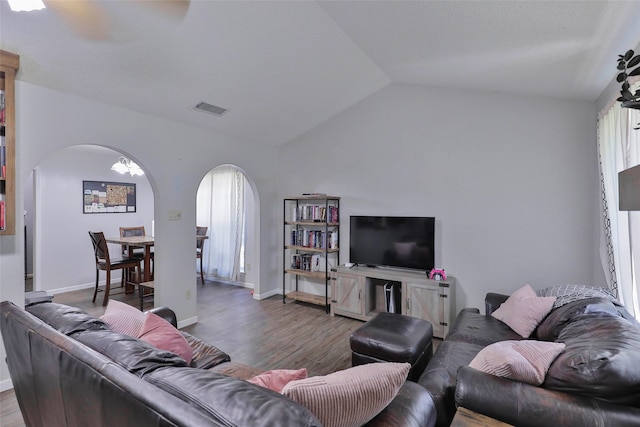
(85, 18)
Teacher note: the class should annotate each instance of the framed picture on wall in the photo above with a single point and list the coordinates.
(108, 197)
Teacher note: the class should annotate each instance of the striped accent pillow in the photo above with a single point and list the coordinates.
(526, 360)
(524, 310)
(123, 318)
(351, 397)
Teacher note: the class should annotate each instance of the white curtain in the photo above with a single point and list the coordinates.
(220, 206)
(619, 149)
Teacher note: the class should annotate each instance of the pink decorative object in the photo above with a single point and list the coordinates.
(438, 274)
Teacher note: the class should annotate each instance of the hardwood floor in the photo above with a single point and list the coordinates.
(266, 334)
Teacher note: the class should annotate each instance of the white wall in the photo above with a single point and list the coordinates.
(174, 156)
(512, 181)
(62, 227)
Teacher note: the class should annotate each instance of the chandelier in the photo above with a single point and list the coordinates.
(124, 165)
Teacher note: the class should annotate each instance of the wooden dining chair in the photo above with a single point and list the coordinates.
(135, 252)
(200, 231)
(105, 263)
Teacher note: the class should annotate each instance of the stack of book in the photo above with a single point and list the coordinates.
(308, 262)
(315, 213)
(314, 238)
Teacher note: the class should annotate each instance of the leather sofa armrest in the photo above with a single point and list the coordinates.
(167, 314)
(205, 355)
(412, 407)
(525, 405)
(492, 301)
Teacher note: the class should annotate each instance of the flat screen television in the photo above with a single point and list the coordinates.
(392, 241)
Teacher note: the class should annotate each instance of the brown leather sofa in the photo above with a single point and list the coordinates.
(70, 369)
(603, 390)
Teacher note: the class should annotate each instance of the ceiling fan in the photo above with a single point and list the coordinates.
(101, 19)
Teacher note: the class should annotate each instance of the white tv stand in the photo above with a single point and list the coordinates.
(358, 292)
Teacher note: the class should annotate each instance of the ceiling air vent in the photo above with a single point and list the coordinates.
(211, 109)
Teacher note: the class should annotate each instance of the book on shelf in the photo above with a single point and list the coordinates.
(309, 262)
(314, 238)
(3, 161)
(315, 213)
(2, 210)
(2, 109)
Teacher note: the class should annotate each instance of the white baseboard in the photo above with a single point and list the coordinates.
(74, 288)
(187, 322)
(266, 295)
(6, 385)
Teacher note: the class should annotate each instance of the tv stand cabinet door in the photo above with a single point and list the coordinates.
(426, 302)
(347, 296)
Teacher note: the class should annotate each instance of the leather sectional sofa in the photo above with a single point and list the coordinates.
(71, 369)
(596, 383)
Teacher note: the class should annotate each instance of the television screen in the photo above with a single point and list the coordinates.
(392, 241)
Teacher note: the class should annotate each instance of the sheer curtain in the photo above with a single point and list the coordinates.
(220, 206)
(619, 149)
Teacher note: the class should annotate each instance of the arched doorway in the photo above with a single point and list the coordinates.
(55, 221)
(225, 204)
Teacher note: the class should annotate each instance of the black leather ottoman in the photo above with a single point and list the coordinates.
(390, 337)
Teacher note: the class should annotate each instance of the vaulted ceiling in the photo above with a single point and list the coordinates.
(284, 67)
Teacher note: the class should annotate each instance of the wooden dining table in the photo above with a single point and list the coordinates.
(131, 242)
(145, 242)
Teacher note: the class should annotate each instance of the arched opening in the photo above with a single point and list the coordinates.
(226, 205)
(59, 255)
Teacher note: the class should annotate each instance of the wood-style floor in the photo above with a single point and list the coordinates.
(266, 334)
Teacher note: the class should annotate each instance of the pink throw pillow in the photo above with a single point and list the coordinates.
(278, 378)
(123, 318)
(161, 334)
(352, 397)
(524, 310)
(527, 360)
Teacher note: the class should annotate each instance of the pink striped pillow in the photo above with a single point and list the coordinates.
(527, 360)
(524, 310)
(276, 379)
(123, 318)
(351, 397)
(163, 335)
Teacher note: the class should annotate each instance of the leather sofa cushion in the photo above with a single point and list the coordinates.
(601, 358)
(231, 401)
(549, 329)
(525, 405)
(479, 329)
(412, 407)
(66, 320)
(439, 377)
(471, 332)
(136, 356)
